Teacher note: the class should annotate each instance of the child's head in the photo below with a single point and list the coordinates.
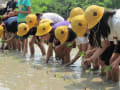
(61, 33)
(74, 12)
(44, 28)
(23, 29)
(93, 15)
(79, 25)
(38, 15)
(31, 20)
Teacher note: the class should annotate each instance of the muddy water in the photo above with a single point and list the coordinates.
(24, 73)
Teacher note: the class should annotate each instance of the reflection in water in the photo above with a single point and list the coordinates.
(26, 73)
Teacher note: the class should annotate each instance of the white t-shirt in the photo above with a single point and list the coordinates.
(53, 17)
(114, 24)
(82, 40)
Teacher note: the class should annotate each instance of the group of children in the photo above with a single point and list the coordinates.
(94, 31)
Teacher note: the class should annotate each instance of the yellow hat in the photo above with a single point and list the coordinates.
(43, 28)
(45, 20)
(23, 29)
(79, 25)
(1, 31)
(61, 33)
(93, 15)
(31, 20)
(74, 12)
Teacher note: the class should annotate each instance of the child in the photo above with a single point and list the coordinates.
(74, 12)
(79, 26)
(102, 24)
(66, 36)
(78, 30)
(81, 42)
(45, 31)
(55, 18)
(31, 20)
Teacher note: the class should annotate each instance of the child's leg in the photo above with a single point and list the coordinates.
(110, 74)
(67, 55)
(31, 44)
(18, 45)
(96, 64)
(41, 46)
(84, 47)
(59, 51)
(22, 45)
(8, 43)
(78, 54)
(63, 53)
(2, 46)
(102, 63)
(115, 73)
(25, 46)
(114, 57)
(14, 44)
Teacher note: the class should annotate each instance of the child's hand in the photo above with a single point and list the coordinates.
(16, 12)
(88, 54)
(90, 60)
(115, 65)
(68, 64)
(6, 41)
(86, 64)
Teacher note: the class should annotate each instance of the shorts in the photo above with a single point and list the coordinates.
(37, 39)
(20, 38)
(11, 24)
(117, 48)
(81, 40)
(106, 55)
(57, 43)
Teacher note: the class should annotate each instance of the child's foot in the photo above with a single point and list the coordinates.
(6, 48)
(31, 55)
(95, 68)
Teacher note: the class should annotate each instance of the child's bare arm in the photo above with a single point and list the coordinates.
(11, 38)
(49, 52)
(24, 12)
(98, 51)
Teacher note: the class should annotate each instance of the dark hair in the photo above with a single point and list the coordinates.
(39, 15)
(71, 35)
(101, 30)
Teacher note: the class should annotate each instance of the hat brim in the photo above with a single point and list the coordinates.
(41, 34)
(63, 40)
(22, 34)
(93, 23)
